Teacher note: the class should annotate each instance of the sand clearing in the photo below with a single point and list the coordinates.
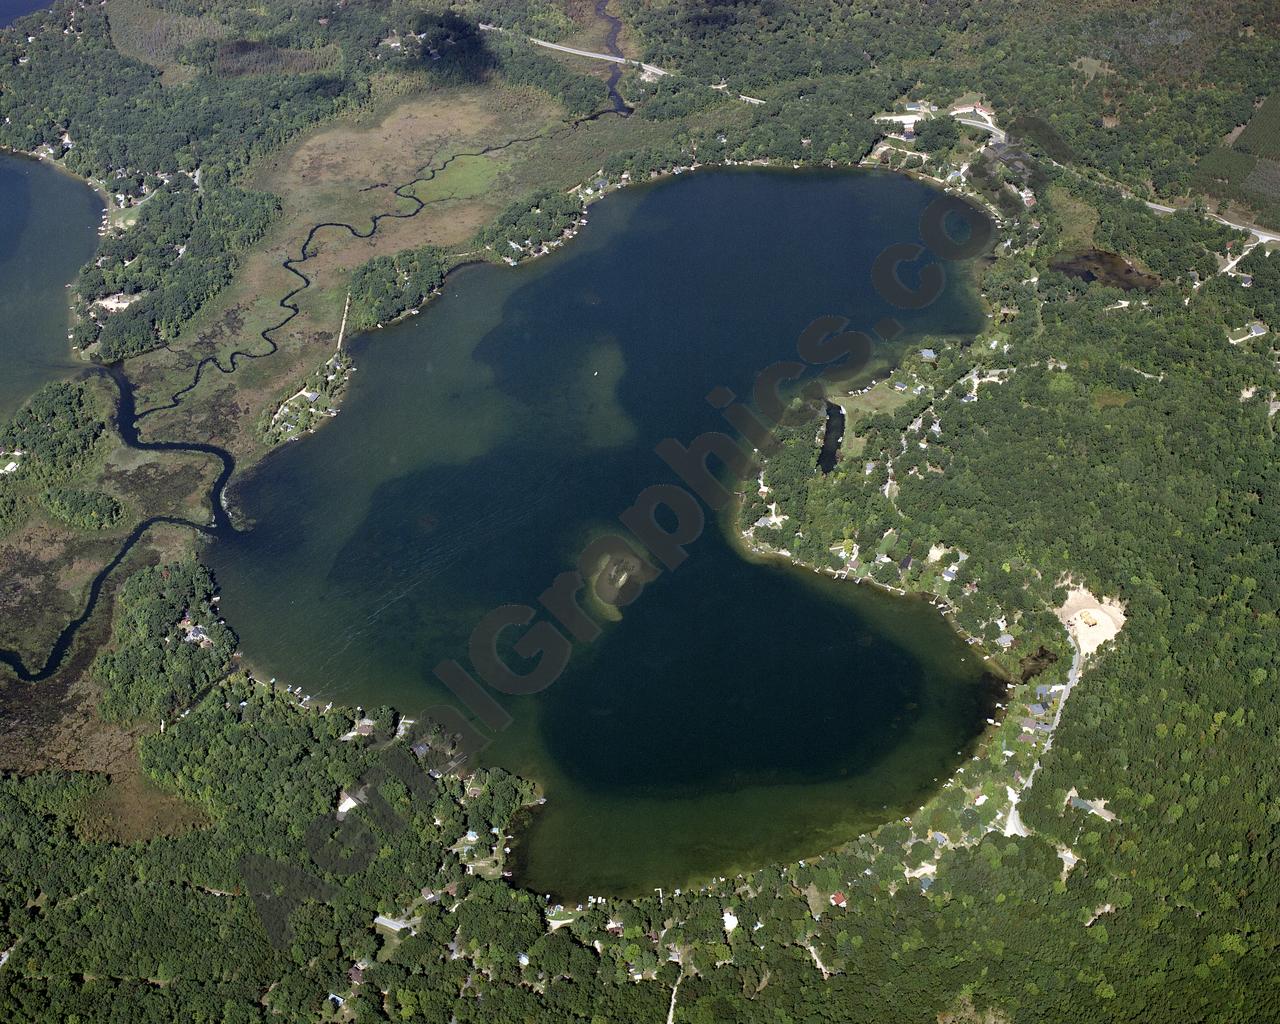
(1092, 622)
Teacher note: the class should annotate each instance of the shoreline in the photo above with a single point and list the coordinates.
(589, 196)
(76, 357)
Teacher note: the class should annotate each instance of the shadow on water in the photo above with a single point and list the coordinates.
(738, 713)
(128, 416)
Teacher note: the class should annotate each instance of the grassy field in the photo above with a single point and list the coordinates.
(347, 171)
(1078, 219)
(881, 398)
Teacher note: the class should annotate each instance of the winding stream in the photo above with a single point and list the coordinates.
(128, 416)
(740, 712)
(487, 439)
(611, 47)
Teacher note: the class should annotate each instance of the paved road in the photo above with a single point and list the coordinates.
(1258, 233)
(653, 69)
(996, 133)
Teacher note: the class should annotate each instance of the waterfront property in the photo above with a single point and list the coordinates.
(738, 713)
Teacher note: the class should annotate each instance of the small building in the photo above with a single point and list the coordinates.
(838, 900)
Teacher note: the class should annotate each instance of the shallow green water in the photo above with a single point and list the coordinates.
(48, 229)
(739, 712)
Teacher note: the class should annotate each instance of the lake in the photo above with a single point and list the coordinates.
(10, 10)
(48, 230)
(740, 712)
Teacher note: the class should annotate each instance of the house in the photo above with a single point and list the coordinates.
(1255, 330)
(949, 574)
(899, 386)
(355, 975)
(905, 564)
(1005, 640)
(1246, 281)
(198, 635)
(928, 355)
(838, 900)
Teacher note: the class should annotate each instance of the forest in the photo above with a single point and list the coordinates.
(53, 441)
(1088, 435)
(168, 645)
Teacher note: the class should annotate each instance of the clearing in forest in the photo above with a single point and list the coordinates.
(1091, 621)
